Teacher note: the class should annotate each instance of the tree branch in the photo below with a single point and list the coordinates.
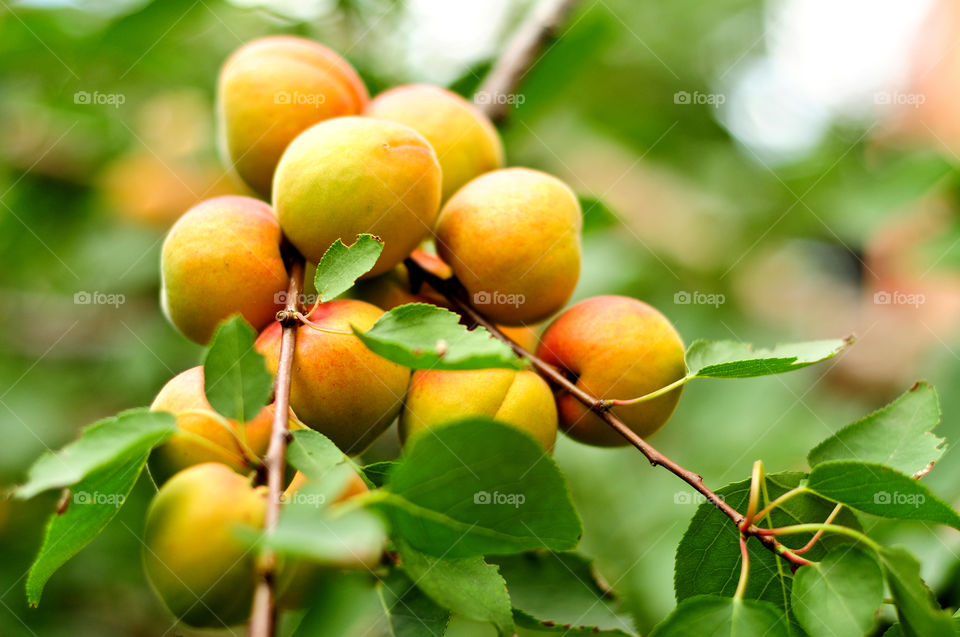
(521, 53)
(263, 617)
(454, 292)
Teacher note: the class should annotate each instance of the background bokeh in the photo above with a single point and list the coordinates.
(761, 171)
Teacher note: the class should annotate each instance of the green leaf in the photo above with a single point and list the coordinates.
(424, 336)
(897, 435)
(467, 586)
(410, 612)
(342, 604)
(106, 442)
(919, 614)
(341, 266)
(708, 556)
(731, 359)
(307, 530)
(90, 507)
(477, 487)
(559, 590)
(879, 490)
(313, 454)
(722, 616)
(377, 472)
(840, 594)
(235, 376)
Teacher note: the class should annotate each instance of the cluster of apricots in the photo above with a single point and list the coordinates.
(416, 166)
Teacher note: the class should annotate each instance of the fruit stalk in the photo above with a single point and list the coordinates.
(454, 293)
(263, 615)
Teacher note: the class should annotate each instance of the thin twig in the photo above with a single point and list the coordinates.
(521, 53)
(454, 293)
(263, 617)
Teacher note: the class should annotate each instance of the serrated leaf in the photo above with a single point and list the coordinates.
(467, 586)
(559, 590)
(879, 490)
(410, 612)
(424, 336)
(721, 616)
(708, 556)
(93, 502)
(313, 454)
(919, 614)
(731, 359)
(840, 594)
(897, 435)
(129, 433)
(341, 266)
(477, 487)
(235, 376)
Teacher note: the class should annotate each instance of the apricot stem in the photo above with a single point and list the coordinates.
(263, 617)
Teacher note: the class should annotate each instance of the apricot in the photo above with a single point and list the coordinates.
(193, 558)
(203, 434)
(512, 237)
(465, 141)
(273, 89)
(352, 175)
(339, 387)
(222, 257)
(619, 348)
(518, 398)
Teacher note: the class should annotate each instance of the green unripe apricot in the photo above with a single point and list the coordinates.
(518, 398)
(354, 175)
(204, 574)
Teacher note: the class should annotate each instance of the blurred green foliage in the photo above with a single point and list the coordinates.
(680, 206)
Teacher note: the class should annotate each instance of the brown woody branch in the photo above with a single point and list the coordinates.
(263, 617)
(454, 292)
(522, 52)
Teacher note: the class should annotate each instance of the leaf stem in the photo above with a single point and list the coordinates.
(778, 501)
(816, 536)
(744, 568)
(306, 321)
(612, 402)
(829, 528)
(263, 618)
(756, 482)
